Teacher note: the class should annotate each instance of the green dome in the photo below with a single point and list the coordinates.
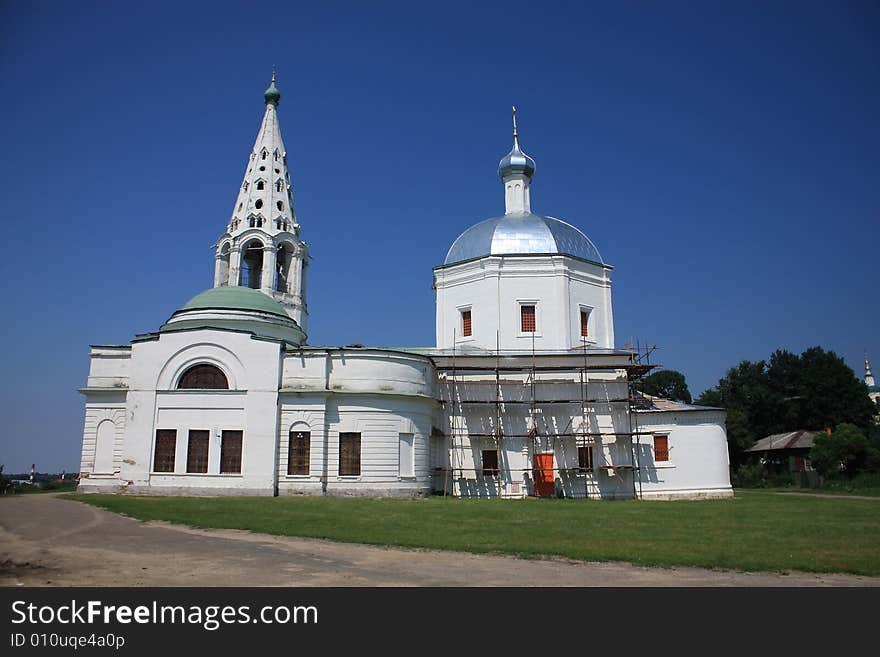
(235, 298)
(272, 94)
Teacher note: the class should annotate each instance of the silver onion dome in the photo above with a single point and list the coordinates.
(516, 161)
(518, 234)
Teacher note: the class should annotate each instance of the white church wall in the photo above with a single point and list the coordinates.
(358, 370)
(589, 287)
(493, 289)
(302, 412)
(379, 394)
(380, 420)
(101, 409)
(109, 366)
(698, 464)
(253, 372)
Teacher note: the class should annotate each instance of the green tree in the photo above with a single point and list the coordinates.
(815, 390)
(845, 451)
(667, 384)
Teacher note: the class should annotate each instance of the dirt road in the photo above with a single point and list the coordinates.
(48, 541)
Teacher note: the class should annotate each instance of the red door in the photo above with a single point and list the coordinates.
(543, 469)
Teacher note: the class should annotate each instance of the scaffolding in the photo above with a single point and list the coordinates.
(541, 437)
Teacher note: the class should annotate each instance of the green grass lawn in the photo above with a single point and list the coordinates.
(869, 492)
(755, 531)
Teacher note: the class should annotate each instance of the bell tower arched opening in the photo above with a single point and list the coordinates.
(251, 264)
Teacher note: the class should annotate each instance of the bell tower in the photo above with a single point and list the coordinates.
(261, 248)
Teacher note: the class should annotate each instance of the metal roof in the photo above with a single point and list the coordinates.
(790, 440)
(233, 297)
(649, 403)
(524, 233)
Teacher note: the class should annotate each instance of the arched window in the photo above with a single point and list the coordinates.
(261, 185)
(280, 205)
(258, 204)
(203, 377)
(250, 274)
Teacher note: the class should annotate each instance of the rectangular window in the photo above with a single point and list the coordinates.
(527, 317)
(230, 452)
(490, 463)
(349, 454)
(661, 448)
(585, 323)
(166, 448)
(407, 460)
(466, 323)
(298, 450)
(197, 451)
(585, 458)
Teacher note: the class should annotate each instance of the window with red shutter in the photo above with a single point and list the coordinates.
(661, 448)
(585, 324)
(466, 323)
(527, 315)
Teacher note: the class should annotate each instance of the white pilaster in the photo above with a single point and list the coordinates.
(267, 278)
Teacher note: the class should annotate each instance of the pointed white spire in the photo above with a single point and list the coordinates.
(869, 378)
(265, 198)
(262, 248)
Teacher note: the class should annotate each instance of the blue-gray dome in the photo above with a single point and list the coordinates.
(522, 234)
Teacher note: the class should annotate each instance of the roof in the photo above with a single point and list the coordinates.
(650, 403)
(231, 297)
(791, 440)
(524, 233)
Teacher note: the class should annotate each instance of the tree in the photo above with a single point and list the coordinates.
(845, 450)
(815, 390)
(667, 384)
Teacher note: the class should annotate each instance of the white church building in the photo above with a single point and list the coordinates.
(525, 393)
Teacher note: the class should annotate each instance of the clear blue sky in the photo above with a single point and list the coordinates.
(723, 156)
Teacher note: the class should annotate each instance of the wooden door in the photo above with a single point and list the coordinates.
(543, 470)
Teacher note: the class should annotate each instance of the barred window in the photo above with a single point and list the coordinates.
(197, 451)
(298, 452)
(166, 447)
(490, 463)
(585, 457)
(230, 452)
(661, 448)
(349, 454)
(203, 377)
(466, 323)
(527, 315)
